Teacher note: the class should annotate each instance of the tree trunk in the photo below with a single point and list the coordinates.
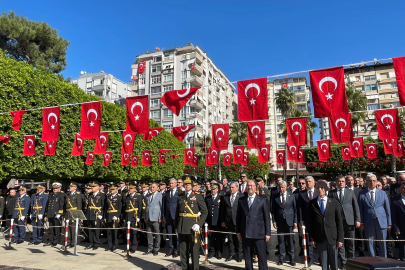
(351, 168)
(393, 165)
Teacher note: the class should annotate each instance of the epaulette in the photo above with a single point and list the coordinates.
(118, 194)
(181, 193)
(62, 191)
(1, 197)
(197, 192)
(26, 195)
(77, 192)
(102, 191)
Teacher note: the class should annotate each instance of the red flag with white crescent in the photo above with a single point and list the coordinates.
(175, 156)
(5, 139)
(256, 134)
(181, 132)
(280, 156)
(137, 114)
(107, 158)
(125, 159)
(356, 147)
(328, 92)
(141, 67)
(341, 128)
(227, 159)
(346, 153)
(188, 155)
(389, 145)
(388, 124)
(399, 67)
(245, 160)
(220, 136)
(91, 120)
(50, 124)
(100, 146)
(77, 149)
(292, 152)
(134, 161)
(252, 100)
(177, 99)
(50, 148)
(153, 132)
(162, 155)
(372, 150)
(29, 145)
(89, 158)
(264, 154)
(17, 120)
(301, 156)
(324, 150)
(399, 149)
(127, 142)
(146, 158)
(195, 161)
(213, 156)
(297, 130)
(238, 154)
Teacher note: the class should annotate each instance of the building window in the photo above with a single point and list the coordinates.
(141, 92)
(183, 123)
(155, 114)
(157, 59)
(300, 99)
(301, 107)
(280, 145)
(395, 104)
(373, 106)
(370, 78)
(167, 113)
(155, 90)
(371, 87)
(393, 85)
(280, 117)
(185, 85)
(184, 111)
(141, 79)
(184, 75)
(156, 79)
(88, 85)
(167, 124)
(154, 102)
(168, 77)
(280, 135)
(156, 68)
(297, 89)
(280, 126)
(169, 55)
(168, 87)
(278, 110)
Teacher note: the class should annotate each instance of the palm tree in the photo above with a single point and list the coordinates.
(285, 101)
(356, 101)
(238, 134)
(311, 125)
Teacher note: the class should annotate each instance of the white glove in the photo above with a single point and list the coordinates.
(199, 214)
(30, 216)
(57, 216)
(40, 216)
(22, 218)
(0, 216)
(195, 227)
(138, 220)
(115, 218)
(100, 217)
(105, 220)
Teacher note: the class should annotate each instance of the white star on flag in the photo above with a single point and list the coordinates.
(341, 130)
(357, 148)
(388, 126)
(52, 126)
(219, 138)
(50, 146)
(297, 133)
(91, 123)
(127, 143)
(252, 101)
(136, 117)
(256, 136)
(328, 96)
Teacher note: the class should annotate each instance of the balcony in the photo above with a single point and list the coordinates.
(195, 81)
(194, 103)
(198, 57)
(194, 115)
(99, 87)
(197, 70)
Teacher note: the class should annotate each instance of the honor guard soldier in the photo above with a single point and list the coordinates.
(21, 207)
(73, 202)
(142, 236)
(38, 207)
(112, 216)
(86, 200)
(191, 213)
(133, 202)
(54, 212)
(94, 214)
(214, 220)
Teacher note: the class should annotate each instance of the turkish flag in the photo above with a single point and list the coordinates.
(195, 161)
(297, 130)
(127, 142)
(346, 153)
(389, 145)
(328, 92)
(213, 156)
(89, 158)
(372, 150)
(280, 156)
(399, 149)
(188, 155)
(29, 145)
(134, 161)
(50, 124)
(177, 99)
(356, 147)
(245, 160)
(153, 132)
(324, 150)
(181, 132)
(284, 85)
(238, 153)
(256, 134)
(227, 159)
(292, 152)
(107, 158)
(77, 149)
(399, 67)
(301, 156)
(141, 67)
(18, 115)
(5, 139)
(220, 136)
(125, 159)
(162, 155)
(388, 124)
(252, 100)
(137, 114)
(146, 158)
(91, 120)
(341, 128)
(264, 154)
(50, 148)
(100, 146)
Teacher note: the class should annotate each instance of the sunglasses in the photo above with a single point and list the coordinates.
(243, 176)
(301, 183)
(179, 182)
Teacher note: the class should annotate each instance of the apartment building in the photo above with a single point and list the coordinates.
(181, 68)
(377, 81)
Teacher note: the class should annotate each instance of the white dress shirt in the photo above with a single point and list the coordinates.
(325, 199)
(252, 198)
(403, 198)
(314, 195)
(338, 192)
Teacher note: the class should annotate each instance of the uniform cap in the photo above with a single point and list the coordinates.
(56, 185)
(214, 186)
(40, 186)
(94, 184)
(162, 183)
(112, 187)
(87, 186)
(73, 184)
(22, 188)
(122, 182)
(132, 186)
(259, 178)
(145, 185)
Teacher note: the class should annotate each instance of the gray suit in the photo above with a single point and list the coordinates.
(350, 215)
(153, 213)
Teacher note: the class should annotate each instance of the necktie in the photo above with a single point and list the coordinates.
(151, 198)
(310, 195)
(250, 201)
(341, 195)
(322, 207)
(372, 197)
(243, 188)
(232, 199)
(283, 204)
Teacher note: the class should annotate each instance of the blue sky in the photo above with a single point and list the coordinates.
(246, 39)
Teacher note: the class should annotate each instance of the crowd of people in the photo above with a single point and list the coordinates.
(339, 217)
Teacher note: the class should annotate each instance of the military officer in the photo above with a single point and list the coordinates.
(214, 201)
(54, 212)
(122, 189)
(191, 213)
(132, 205)
(112, 216)
(38, 207)
(94, 215)
(142, 237)
(73, 202)
(86, 200)
(21, 207)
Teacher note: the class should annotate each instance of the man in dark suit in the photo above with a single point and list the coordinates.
(350, 216)
(243, 185)
(266, 191)
(214, 219)
(169, 215)
(301, 187)
(253, 226)
(284, 213)
(325, 226)
(398, 218)
(394, 188)
(228, 213)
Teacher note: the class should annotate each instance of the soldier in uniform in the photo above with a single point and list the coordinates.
(54, 212)
(38, 207)
(73, 202)
(94, 214)
(214, 220)
(142, 237)
(191, 213)
(112, 216)
(21, 207)
(132, 205)
(86, 200)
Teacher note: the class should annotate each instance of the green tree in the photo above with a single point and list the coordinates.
(238, 133)
(285, 101)
(311, 125)
(33, 42)
(356, 101)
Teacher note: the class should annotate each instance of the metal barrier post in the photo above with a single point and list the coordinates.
(304, 242)
(126, 257)
(206, 244)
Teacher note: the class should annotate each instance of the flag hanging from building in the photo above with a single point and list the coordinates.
(388, 124)
(399, 149)
(137, 114)
(125, 159)
(245, 160)
(297, 131)
(220, 136)
(17, 120)
(256, 134)
(264, 154)
(372, 152)
(134, 161)
(341, 128)
(356, 147)
(389, 145)
(29, 145)
(280, 156)
(177, 99)
(141, 67)
(100, 147)
(50, 124)
(188, 155)
(195, 161)
(292, 152)
(91, 120)
(181, 132)
(399, 67)
(162, 155)
(324, 150)
(301, 156)
(253, 100)
(50, 148)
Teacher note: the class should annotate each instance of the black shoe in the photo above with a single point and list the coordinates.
(31, 243)
(47, 245)
(301, 253)
(176, 254)
(89, 247)
(361, 254)
(230, 258)
(20, 242)
(219, 256)
(239, 260)
(37, 243)
(155, 253)
(170, 253)
(292, 263)
(132, 251)
(277, 252)
(107, 249)
(343, 266)
(53, 245)
(280, 262)
(147, 252)
(210, 256)
(95, 248)
(310, 263)
(113, 249)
